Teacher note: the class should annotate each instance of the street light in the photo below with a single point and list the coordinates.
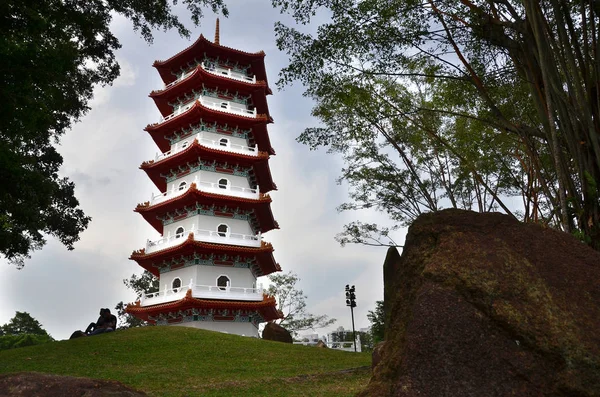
(351, 301)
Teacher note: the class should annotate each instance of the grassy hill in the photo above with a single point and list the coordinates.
(179, 361)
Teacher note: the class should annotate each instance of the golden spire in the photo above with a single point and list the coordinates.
(217, 33)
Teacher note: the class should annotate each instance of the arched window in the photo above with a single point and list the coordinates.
(184, 144)
(223, 183)
(224, 142)
(223, 282)
(223, 230)
(176, 284)
(179, 232)
(182, 185)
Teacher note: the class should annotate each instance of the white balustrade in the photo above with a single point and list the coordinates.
(210, 187)
(219, 71)
(169, 194)
(203, 292)
(182, 77)
(221, 105)
(229, 147)
(180, 110)
(209, 236)
(227, 106)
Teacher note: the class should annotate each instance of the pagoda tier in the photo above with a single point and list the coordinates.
(194, 201)
(201, 48)
(220, 159)
(218, 88)
(164, 132)
(206, 310)
(191, 252)
(189, 309)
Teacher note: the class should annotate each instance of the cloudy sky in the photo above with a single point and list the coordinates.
(64, 290)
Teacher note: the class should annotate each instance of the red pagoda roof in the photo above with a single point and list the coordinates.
(261, 207)
(266, 308)
(202, 45)
(259, 163)
(162, 98)
(159, 131)
(264, 255)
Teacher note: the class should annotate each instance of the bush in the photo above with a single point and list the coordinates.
(14, 341)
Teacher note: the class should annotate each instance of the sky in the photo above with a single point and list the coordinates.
(64, 290)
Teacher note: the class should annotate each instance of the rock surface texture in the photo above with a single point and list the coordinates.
(33, 384)
(482, 305)
(277, 333)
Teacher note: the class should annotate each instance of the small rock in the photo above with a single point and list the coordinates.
(277, 333)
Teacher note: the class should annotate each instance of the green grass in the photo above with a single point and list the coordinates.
(179, 361)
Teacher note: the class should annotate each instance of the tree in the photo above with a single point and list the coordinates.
(53, 54)
(22, 330)
(22, 323)
(377, 319)
(456, 104)
(144, 284)
(292, 303)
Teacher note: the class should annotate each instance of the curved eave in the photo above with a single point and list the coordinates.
(262, 207)
(159, 131)
(261, 137)
(162, 98)
(264, 254)
(197, 49)
(266, 308)
(259, 163)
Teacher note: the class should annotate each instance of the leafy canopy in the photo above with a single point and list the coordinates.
(377, 319)
(22, 330)
(145, 283)
(479, 104)
(292, 303)
(22, 323)
(53, 54)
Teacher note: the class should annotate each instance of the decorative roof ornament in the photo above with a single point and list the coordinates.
(217, 41)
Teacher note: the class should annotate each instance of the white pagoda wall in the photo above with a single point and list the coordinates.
(207, 222)
(185, 274)
(208, 176)
(213, 136)
(245, 329)
(207, 275)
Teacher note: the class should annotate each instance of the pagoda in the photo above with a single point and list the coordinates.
(213, 174)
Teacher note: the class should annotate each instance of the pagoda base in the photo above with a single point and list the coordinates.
(230, 316)
(227, 327)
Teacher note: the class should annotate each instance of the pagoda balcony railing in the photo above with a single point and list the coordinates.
(223, 106)
(209, 236)
(227, 72)
(209, 187)
(219, 71)
(203, 292)
(227, 147)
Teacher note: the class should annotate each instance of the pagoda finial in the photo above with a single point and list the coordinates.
(217, 41)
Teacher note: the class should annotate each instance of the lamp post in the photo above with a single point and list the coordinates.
(351, 301)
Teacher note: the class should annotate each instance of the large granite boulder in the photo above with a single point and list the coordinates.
(482, 305)
(277, 333)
